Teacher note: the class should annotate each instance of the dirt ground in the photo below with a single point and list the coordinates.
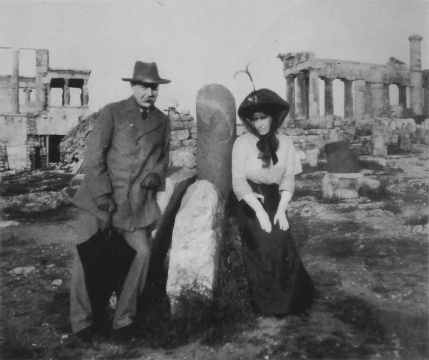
(368, 258)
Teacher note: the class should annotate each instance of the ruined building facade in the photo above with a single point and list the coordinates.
(366, 86)
(31, 124)
(372, 121)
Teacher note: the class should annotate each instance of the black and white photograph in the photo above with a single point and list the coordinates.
(214, 179)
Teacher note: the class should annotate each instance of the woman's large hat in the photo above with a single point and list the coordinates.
(146, 73)
(267, 101)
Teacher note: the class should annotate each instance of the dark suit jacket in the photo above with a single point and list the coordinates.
(120, 151)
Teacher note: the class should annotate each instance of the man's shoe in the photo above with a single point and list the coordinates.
(125, 333)
(87, 334)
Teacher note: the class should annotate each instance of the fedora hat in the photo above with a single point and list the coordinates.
(146, 73)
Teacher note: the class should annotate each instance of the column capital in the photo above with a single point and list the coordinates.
(415, 37)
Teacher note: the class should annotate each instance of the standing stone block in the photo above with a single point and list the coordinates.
(169, 201)
(341, 186)
(404, 142)
(340, 159)
(216, 131)
(312, 156)
(196, 242)
(378, 145)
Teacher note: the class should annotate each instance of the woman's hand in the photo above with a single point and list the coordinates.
(281, 218)
(264, 220)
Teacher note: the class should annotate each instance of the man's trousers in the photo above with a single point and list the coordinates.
(80, 306)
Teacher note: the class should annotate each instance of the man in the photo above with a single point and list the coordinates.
(125, 163)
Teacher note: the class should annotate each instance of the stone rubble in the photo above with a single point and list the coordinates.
(26, 270)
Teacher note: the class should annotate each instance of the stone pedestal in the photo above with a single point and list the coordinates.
(216, 130)
(196, 241)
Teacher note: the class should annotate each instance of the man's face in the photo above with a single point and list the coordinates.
(145, 94)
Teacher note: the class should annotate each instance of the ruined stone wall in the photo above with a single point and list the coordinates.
(182, 143)
(13, 135)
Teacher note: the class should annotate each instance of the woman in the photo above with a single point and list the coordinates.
(263, 173)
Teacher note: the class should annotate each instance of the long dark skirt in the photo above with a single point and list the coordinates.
(278, 281)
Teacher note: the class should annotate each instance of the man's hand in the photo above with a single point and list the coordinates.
(151, 181)
(281, 218)
(105, 203)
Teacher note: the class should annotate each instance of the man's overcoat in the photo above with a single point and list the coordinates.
(120, 151)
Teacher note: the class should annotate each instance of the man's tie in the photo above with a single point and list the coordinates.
(144, 114)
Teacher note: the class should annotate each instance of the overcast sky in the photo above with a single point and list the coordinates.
(198, 42)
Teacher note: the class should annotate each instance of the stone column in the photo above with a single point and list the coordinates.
(290, 95)
(416, 74)
(386, 99)
(313, 93)
(15, 81)
(402, 96)
(85, 95)
(348, 98)
(300, 100)
(42, 65)
(368, 101)
(216, 132)
(47, 150)
(377, 92)
(27, 95)
(360, 98)
(46, 92)
(66, 93)
(329, 97)
(426, 101)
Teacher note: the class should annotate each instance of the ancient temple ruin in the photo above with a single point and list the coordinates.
(32, 122)
(366, 85)
(384, 106)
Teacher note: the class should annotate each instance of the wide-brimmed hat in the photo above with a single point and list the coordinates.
(267, 101)
(146, 73)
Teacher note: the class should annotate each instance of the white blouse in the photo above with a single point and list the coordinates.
(247, 166)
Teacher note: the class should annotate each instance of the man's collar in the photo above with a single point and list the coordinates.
(149, 109)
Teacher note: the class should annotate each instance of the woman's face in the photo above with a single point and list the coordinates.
(262, 122)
